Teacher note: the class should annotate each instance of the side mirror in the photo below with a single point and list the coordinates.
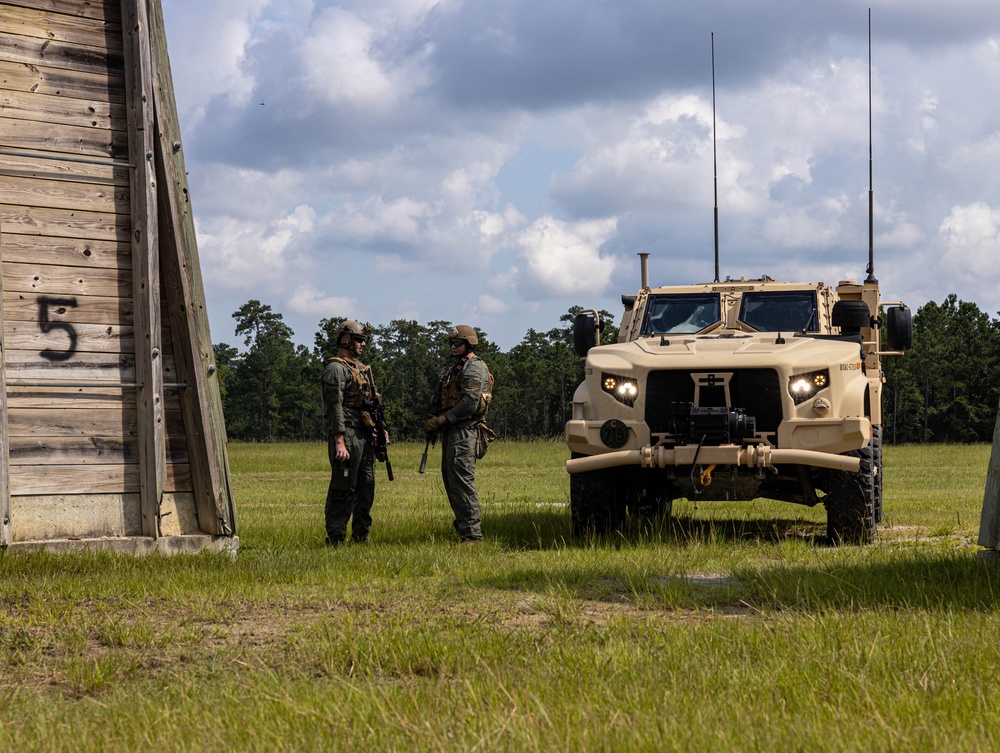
(586, 332)
(899, 328)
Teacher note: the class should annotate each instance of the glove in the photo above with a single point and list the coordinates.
(431, 425)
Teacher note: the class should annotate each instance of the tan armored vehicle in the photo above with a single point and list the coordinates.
(735, 390)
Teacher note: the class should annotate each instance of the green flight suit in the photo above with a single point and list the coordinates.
(458, 441)
(344, 394)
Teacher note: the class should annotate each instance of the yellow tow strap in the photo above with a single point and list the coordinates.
(706, 475)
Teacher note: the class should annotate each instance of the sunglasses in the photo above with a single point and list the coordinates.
(456, 343)
(358, 338)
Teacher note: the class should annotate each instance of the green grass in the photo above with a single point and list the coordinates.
(733, 627)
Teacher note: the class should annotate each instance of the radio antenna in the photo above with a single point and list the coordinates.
(871, 199)
(715, 164)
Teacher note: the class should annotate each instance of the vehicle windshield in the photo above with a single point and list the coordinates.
(680, 314)
(786, 311)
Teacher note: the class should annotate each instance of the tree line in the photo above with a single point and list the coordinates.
(271, 388)
(944, 389)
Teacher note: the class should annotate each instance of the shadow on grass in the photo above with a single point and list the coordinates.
(929, 576)
(550, 528)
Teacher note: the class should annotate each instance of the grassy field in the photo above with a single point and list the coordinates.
(734, 627)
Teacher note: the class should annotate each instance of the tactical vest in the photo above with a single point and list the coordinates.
(451, 388)
(358, 394)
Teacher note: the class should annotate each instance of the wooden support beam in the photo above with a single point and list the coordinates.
(201, 401)
(4, 445)
(989, 523)
(145, 264)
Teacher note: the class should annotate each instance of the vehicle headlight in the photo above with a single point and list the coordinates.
(622, 389)
(802, 387)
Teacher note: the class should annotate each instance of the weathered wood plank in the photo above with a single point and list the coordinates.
(27, 365)
(109, 369)
(73, 450)
(15, 48)
(66, 252)
(41, 108)
(74, 141)
(90, 338)
(58, 281)
(46, 24)
(64, 223)
(77, 397)
(73, 479)
(90, 479)
(85, 451)
(36, 79)
(26, 307)
(101, 10)
(87, 173)
(113, 421)
(204, 423)
(62, 195)
(178, 478)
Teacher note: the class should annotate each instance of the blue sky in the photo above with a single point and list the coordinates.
(494, 162)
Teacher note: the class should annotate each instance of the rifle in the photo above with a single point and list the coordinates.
(432, 438)
(376, 410)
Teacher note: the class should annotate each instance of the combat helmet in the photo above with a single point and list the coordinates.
(464, 332)
(347, 330)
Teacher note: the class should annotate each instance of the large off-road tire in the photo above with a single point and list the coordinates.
(596, 502)
(877, 470)
(850, 502)
(651, 508)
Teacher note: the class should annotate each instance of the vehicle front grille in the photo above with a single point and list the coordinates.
(757, 391)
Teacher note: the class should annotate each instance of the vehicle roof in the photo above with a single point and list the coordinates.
(739, 286)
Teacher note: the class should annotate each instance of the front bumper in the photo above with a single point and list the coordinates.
(751, 456)
(813, 443)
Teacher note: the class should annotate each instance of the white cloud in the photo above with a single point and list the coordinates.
(339, 68)
(563, 258)
(307, 300)
(401, 220)
(505, 281)
(491, 305)
(216, 42)
(972, 238)
(250, 256)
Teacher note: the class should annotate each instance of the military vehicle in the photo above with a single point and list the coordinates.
(736, 390)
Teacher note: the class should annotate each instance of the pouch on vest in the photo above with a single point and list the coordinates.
(484, 436)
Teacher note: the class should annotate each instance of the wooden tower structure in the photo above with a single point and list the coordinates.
(111, 426)
(989, 522)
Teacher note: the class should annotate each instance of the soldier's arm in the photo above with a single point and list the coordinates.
(471, 383)
(335, 380)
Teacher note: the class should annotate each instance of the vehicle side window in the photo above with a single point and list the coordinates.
(680, 314)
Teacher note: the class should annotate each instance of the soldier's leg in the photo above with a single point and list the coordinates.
(446, 462)
(461, 482)
(364, 496)
(338, 503)
(356, 448)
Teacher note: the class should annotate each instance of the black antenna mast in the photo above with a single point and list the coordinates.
(871, 199)
(715, 164)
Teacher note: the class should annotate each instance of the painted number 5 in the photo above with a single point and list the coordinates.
(48, 326)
